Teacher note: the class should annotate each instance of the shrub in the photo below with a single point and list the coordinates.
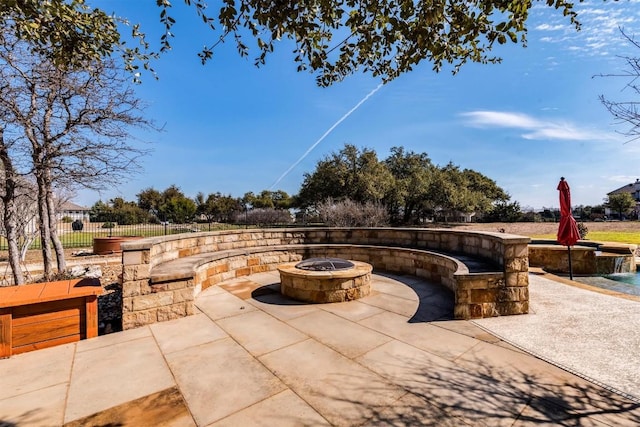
(67, 219)
(108, 224)
(267, 216)
(583, 230)
(348, 213)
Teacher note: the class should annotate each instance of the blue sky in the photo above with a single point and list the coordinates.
(232, 127)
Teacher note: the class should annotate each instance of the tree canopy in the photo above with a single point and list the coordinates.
(71, 34)
(169, 205)
(172, 205)
(407, 183)
(621, 203)
(267, 199)
(330, 38)
(217, 207)
(412, 174)
(350, 173)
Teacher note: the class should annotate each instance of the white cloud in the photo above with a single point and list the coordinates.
(536, 129)
(600, 23)
(500, 119)
(547, 27)
(550, 131)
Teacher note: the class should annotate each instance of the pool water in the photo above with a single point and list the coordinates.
(626, 283)
(629, 278)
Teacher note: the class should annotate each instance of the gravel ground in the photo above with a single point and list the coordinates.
(110, 302)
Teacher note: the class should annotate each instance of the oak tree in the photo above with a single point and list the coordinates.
(351, 173)
(412, 173)
(621, 203)
(331, 38)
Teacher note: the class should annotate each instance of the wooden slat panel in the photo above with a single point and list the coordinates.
(45, 331)
(56, 290)
(91, 317)
(43, 317)
(46, 314)
(21, 294)
(46, 344)
(12, 296)
(32, 309)
(7, 295)
(5, 332)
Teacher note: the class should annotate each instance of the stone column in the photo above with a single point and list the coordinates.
(144, 303)
(513, 298)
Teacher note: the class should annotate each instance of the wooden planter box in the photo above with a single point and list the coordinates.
(42, 315)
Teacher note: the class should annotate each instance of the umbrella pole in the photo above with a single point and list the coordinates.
(570, 268)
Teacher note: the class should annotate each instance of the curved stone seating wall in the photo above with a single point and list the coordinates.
(161, 276)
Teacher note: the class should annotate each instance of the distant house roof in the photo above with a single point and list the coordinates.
(633, 189)
(70, 206)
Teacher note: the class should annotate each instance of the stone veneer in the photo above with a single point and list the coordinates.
(587, 257)
(325, 286)
(161, 276)
(555, 259)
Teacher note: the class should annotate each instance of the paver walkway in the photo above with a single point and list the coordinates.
(253, 357)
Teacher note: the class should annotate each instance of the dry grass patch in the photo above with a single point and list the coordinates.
(614, 231)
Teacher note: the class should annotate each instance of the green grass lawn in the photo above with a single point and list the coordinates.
(632, 237)
(79, 239)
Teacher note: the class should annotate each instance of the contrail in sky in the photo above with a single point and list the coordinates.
(315, 144)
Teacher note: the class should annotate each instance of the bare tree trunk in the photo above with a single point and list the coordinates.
(9, 212)
(12, 241)
(53, 229)
(43, 222)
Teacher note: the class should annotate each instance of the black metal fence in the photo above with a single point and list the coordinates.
(80, 234)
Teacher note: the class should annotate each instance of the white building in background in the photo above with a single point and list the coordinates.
(73, 211)
(633, 189)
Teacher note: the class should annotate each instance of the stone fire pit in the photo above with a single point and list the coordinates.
(323, 280)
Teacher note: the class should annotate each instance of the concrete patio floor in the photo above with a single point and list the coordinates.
(253, 357)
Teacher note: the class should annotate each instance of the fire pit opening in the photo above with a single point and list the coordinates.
(323, 280)
(325, 264)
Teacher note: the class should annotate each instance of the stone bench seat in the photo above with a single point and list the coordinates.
(487, 272)
(201, 271)
(185, 268)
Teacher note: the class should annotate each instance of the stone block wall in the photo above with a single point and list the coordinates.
(143, 303)
(487, 295)
(477, 294)
(555, 259)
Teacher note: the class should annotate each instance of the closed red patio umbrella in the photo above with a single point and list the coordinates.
(568, 233)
